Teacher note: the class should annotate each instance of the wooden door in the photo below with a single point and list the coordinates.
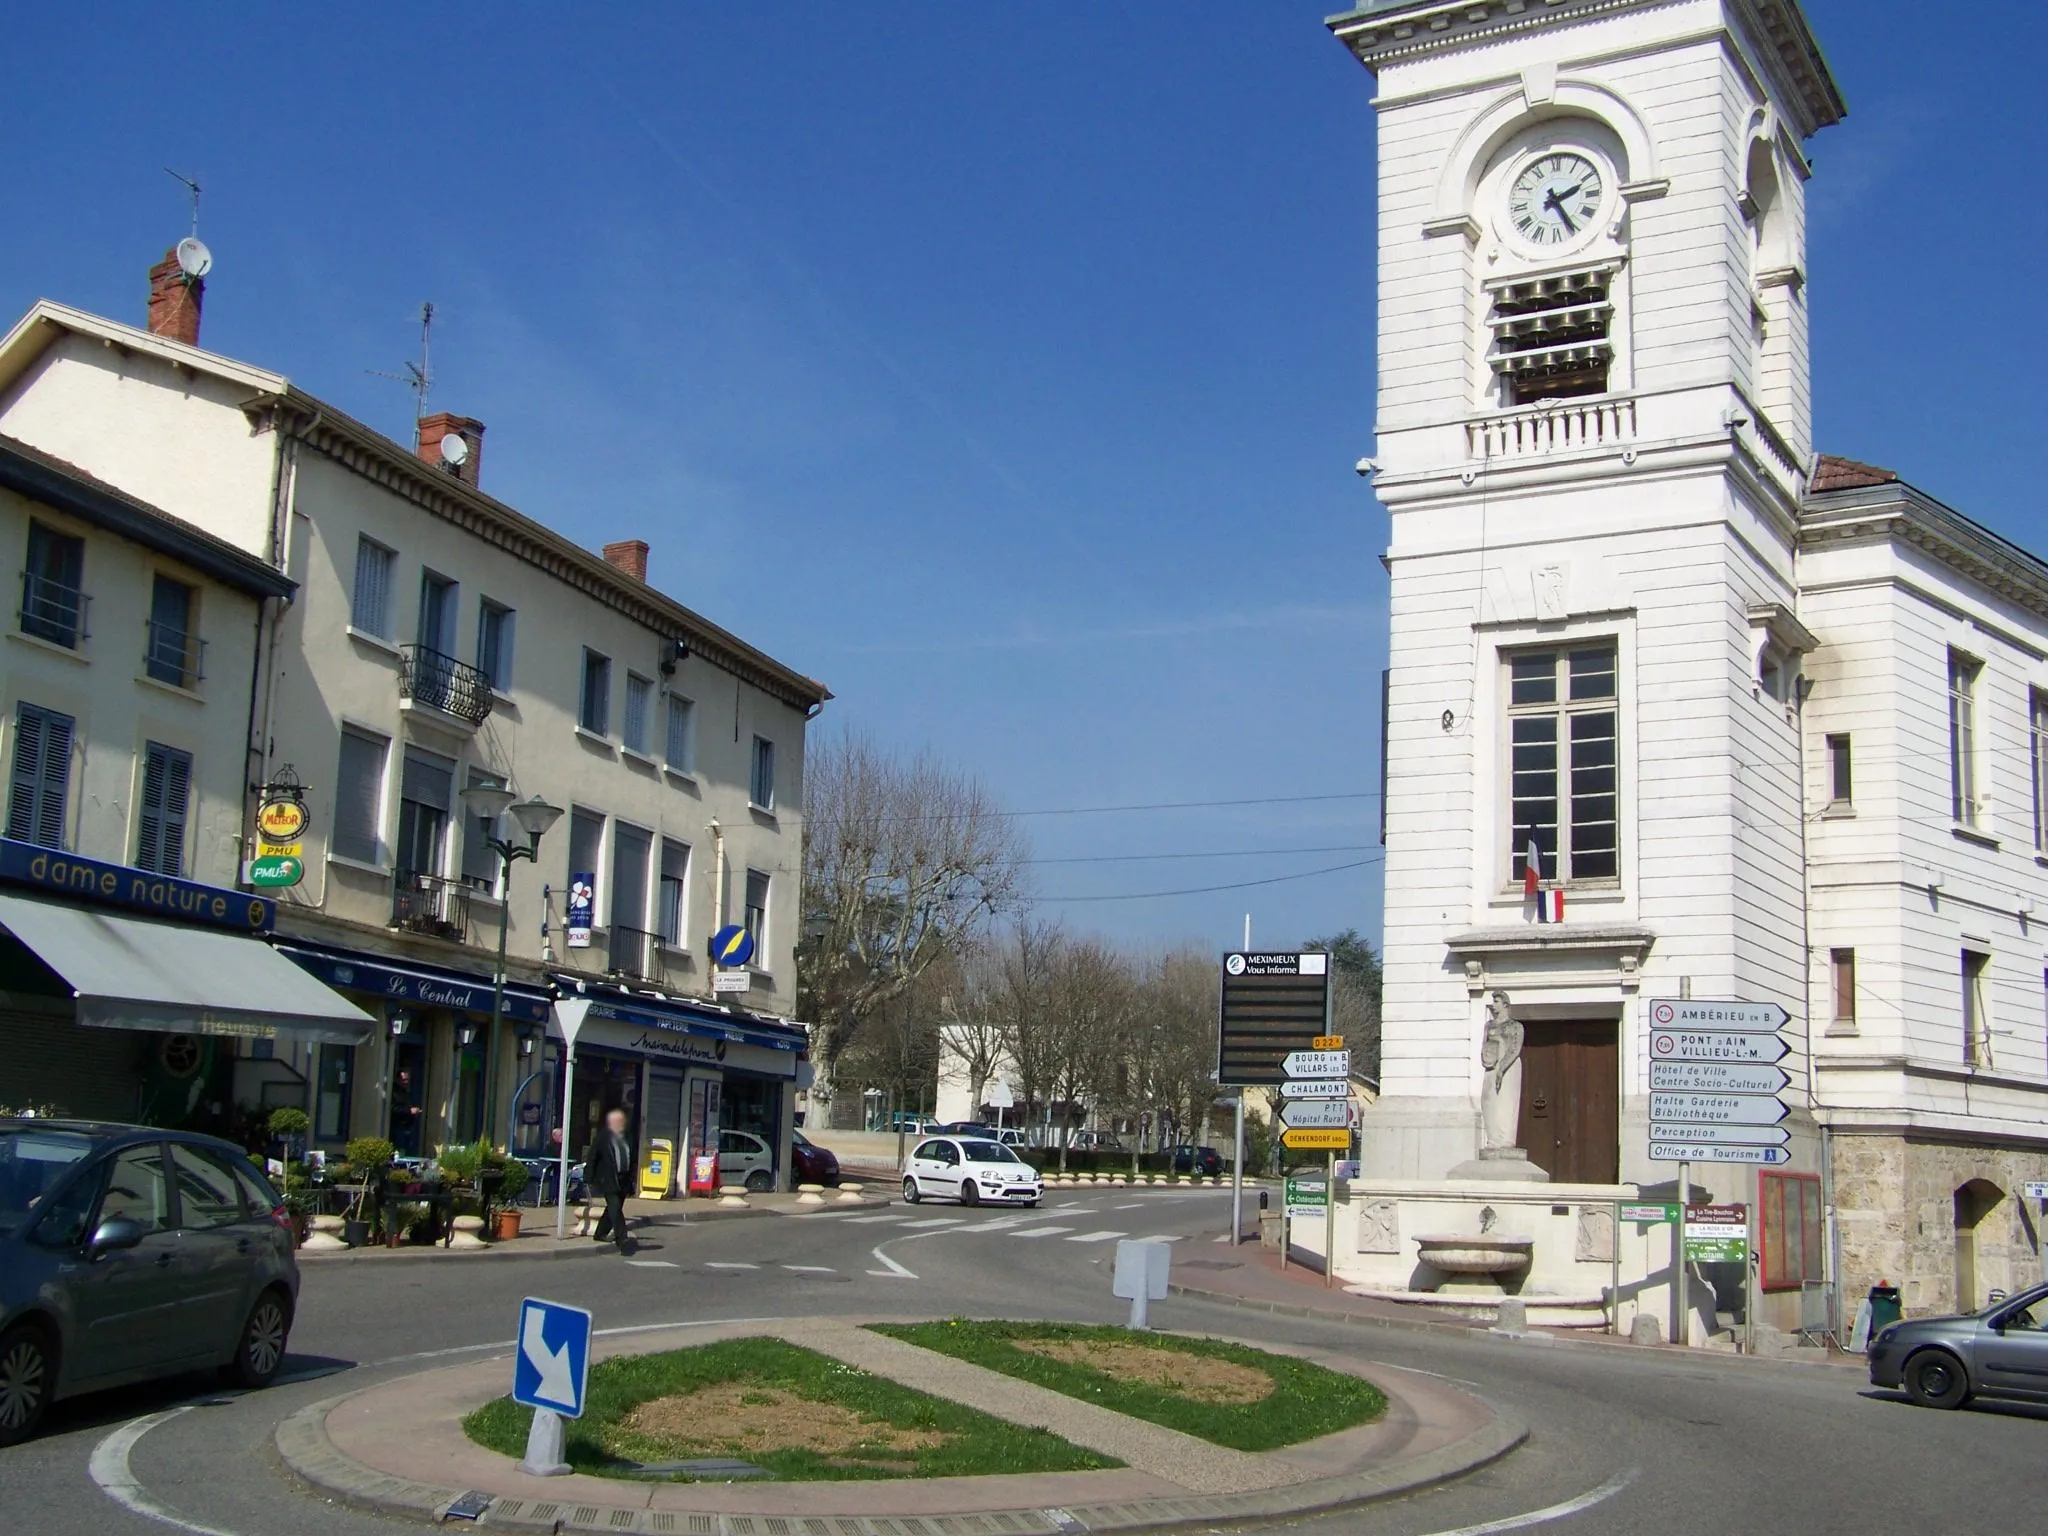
(1571, 1099)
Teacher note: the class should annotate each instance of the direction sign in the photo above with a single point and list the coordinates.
(1316, 1088)
(1307, 1195)
(1717, 1077)
(2035, 1191)
(1315, 1114)
(1316, 1141)
(552, 1367)
(1716, 1109)
(1723, 1135)
(1273, 1003)
(1701, 1152)
(1329, 1064)
(1716, 1234)
(1691, 1013)
(1717, 1045)
(1666, 1211)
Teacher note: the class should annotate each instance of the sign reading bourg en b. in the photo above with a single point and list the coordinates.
(1274, 1003)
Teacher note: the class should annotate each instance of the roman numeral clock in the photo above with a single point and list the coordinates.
(1556, 199)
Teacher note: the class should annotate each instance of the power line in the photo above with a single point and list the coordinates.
(1204, 890)
(1192, 805)
(1224, 853)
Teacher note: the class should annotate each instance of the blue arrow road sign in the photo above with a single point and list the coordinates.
(731, 946)
(553, 1364)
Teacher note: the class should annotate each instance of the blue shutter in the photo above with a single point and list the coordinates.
(25, 783)
(38, 791)
(165, 809)
(149, 819)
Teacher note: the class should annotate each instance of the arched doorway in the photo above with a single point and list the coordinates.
(1973, 1202)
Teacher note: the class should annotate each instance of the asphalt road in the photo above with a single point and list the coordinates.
(1621, 1442)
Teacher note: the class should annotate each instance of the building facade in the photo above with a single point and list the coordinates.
(437, 639)
(1627, 619)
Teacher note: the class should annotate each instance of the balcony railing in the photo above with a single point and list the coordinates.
(1559, 426)
(174, 656)
(635, 953)
(52, 611)
(435, 681)
(430, 904)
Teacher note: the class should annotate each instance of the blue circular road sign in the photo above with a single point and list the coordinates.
(731, 946)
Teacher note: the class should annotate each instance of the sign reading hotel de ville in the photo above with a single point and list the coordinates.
(1275, 1003)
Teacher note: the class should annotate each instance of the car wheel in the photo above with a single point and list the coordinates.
(969, 1193)
(1936, 1379)
(259, 1351)
(910, 1194)
(760, 1181)
(28, 1375)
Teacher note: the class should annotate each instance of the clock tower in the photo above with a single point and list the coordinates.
(1593, 438)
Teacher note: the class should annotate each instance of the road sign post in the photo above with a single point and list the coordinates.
(569, 1013)
(550, 1375)
(1274, 1007)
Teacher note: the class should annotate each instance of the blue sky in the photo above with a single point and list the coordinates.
(1002, 366)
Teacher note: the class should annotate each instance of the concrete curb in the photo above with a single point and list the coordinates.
(302, 1443)
(571, 1248)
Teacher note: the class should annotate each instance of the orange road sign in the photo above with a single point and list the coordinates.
(1329, 1042)
(1316, 1141)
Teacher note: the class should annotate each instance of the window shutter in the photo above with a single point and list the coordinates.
(52, 770)
(373, 587)
(149, 820)
(24, 787)
(177, 799)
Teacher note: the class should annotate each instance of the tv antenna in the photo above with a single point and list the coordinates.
(418, 376)
(191, 185)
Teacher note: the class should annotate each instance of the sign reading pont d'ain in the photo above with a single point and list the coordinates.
(1275, 1003)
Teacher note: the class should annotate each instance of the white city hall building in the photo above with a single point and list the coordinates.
(1777, 724)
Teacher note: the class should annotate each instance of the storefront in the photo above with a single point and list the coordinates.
(682, 1071)
(422, 1081)
(132, 996)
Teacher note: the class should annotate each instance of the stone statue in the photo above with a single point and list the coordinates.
(1500, 1091)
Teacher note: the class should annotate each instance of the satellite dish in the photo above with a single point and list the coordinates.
(454, 450)
(194, 259)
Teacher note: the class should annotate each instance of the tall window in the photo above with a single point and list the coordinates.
(494, 625)
(639, 706)
(1842, 966)
(762, 788)
(331, 1095)
(671, 907)
(1563, 792)
(479, 859)
(165, 806)
(1966, 799)
(39, 788)
(359, 796)
(1976, 1008)
(426, 787)
(586, 842)
(681, 753)
(171, 650)
(52, 602)
(1841, 779)
(370, 608)
(439, 603)
(595, 711)
(632, 853)
(2037, 710)
(757, 916)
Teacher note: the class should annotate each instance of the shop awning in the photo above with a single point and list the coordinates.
(131, 973)
(407, 981)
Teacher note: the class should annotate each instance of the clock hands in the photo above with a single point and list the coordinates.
(1554, 201)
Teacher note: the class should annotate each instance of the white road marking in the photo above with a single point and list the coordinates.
(1131, 1207)
(868, 1221)
(811, 1269)
(934, 1221)
(1094, 1237)
(1163, 1237)
(109, 1468)
(892, 1268)
(1041, 1231)
(653, 1264)
(1584, 1501)
(718, 1264)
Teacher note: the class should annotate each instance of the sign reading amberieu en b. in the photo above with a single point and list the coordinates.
(1275, 1003)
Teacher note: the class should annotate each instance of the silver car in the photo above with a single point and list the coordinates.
(1943, 1362)
(128, 1253)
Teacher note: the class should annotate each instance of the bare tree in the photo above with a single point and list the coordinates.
(1091, 1027)
(972, 1032)
(1023, 998)
(904, 860)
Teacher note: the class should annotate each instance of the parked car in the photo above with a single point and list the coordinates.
(964, 1128)
(1943, 1362)
(1010, 1136)
(1206, 1161)
(1095, 1141)
(914, 1123)
(970, 1169)
(128, 1253)
(744, 1158)
(811, 1163)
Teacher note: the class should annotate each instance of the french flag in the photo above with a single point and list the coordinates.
(1549, 904)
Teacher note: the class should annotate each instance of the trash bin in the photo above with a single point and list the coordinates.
(1884, 1307)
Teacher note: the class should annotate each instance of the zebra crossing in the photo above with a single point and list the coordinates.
(1064, 1222)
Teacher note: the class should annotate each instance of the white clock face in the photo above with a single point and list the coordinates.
(1556, 199)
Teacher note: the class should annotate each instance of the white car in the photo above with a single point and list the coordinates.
(744, 1158)
(969, 1169)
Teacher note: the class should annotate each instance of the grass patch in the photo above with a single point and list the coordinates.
(1202, 1387)
(801, 1415)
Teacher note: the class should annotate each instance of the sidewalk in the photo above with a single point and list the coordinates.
(398, 1448)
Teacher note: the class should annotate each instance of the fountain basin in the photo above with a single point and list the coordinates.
(1474, 1254)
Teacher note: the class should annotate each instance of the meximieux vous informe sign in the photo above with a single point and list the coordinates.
(1274, 1003)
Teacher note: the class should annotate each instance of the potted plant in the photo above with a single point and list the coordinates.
(369, 1159)
(289, 1125)
(512, 1179)
(462, 1168)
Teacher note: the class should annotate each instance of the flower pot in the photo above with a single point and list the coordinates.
(394, 1238)
(356, 1233)
(504, 1225)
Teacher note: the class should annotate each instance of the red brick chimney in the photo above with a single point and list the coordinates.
(630, 556)
(465, 462)
(174, 301)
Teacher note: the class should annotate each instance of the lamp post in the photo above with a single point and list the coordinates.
(489, 803)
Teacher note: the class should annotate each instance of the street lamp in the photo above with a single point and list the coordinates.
(489, 804)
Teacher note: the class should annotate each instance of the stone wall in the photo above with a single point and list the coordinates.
(1896, 1205)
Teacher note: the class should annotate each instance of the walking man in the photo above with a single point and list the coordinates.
(608, 1171)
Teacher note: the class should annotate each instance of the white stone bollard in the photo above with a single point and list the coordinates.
(469, 1232)
(810, 1194)
(733, 1196)
(849, 1194)
(325, 1236)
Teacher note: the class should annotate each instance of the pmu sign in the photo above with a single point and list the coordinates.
(1275, 1003)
